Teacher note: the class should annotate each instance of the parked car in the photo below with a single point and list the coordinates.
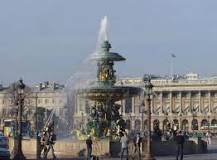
(4, 148)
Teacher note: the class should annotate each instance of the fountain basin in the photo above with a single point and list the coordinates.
(114, 93)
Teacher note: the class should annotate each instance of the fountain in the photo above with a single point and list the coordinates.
(104, 117)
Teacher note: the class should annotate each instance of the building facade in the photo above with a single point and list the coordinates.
(188, 103)
(45, 96)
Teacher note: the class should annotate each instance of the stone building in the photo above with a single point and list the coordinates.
(46, 95)
(185, 102)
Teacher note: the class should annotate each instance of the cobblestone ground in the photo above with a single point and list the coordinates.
(211, 155)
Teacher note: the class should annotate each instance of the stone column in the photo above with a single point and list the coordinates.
(152, 107)
(209, 94)
(133, 105)
(200, 102)
(190, 97)
(199, 123)
(190, 124)
(171, 103)
(161, 102)
(123, 108)
(180, 101)
(161, 124)
(133, 124)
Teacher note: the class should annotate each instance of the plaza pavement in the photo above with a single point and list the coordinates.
(211, 155)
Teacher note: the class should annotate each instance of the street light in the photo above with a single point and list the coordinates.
(37, 132)
(148, 93)
(142, 111)
(20, 101)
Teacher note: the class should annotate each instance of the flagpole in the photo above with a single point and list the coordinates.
(172, 66)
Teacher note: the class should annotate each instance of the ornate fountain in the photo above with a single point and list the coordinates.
(105, 118)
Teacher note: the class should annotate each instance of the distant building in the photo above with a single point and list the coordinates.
(46, 95)
(186, 102)
(50, 96)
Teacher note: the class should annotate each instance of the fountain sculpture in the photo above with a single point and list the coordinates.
(104, 117)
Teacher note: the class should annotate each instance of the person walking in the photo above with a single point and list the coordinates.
(137, 143)
(124, 145)
(180, 140)
(209, 137)
(89, 147)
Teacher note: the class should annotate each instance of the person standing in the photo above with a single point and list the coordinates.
(124, 145)
(208, 137)
(89, 147)
(137, 143)
(180, 140)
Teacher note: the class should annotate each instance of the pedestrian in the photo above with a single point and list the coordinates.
(124, 145)
(89, 147)
(137, 143)
(209, 137)
(180, 145)
(52, 139)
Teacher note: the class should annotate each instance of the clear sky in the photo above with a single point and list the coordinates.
(48, 39)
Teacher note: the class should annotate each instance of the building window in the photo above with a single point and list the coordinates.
(137, 125)
(46, 101)
(194, 94)
(53, 101)
(184, 94)
(176, 95)
(128, 124)
(165, 95)
(194, 124)
(128, 105)
(156, 124)
(39, 101)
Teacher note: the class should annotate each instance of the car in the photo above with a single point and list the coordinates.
(4, 148)
(4, 153)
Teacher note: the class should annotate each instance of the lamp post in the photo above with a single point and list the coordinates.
(38, 150)
(20, 101)
(143, 119)
(148, 94)
(142, 111)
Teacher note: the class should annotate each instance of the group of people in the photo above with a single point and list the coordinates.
(137, 140)
(124, 145)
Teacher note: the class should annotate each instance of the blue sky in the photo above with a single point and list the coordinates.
(48, 39)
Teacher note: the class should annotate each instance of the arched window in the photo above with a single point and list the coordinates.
(194, 124)
(128, 124)
(166, 125)
(214, 122)
(175, 124)
(146, 124)
(137, 125)
(204, 124)
(156, 124)
(185, 125)
(46, 101)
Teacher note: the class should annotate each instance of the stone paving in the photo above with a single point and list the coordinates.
(211, 155)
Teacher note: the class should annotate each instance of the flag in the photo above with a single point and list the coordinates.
(173, 55)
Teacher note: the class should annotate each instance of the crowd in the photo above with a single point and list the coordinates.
(178, 136)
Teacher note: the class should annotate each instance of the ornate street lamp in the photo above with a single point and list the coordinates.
(142, 111)
(148, 94)
(20, 101)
